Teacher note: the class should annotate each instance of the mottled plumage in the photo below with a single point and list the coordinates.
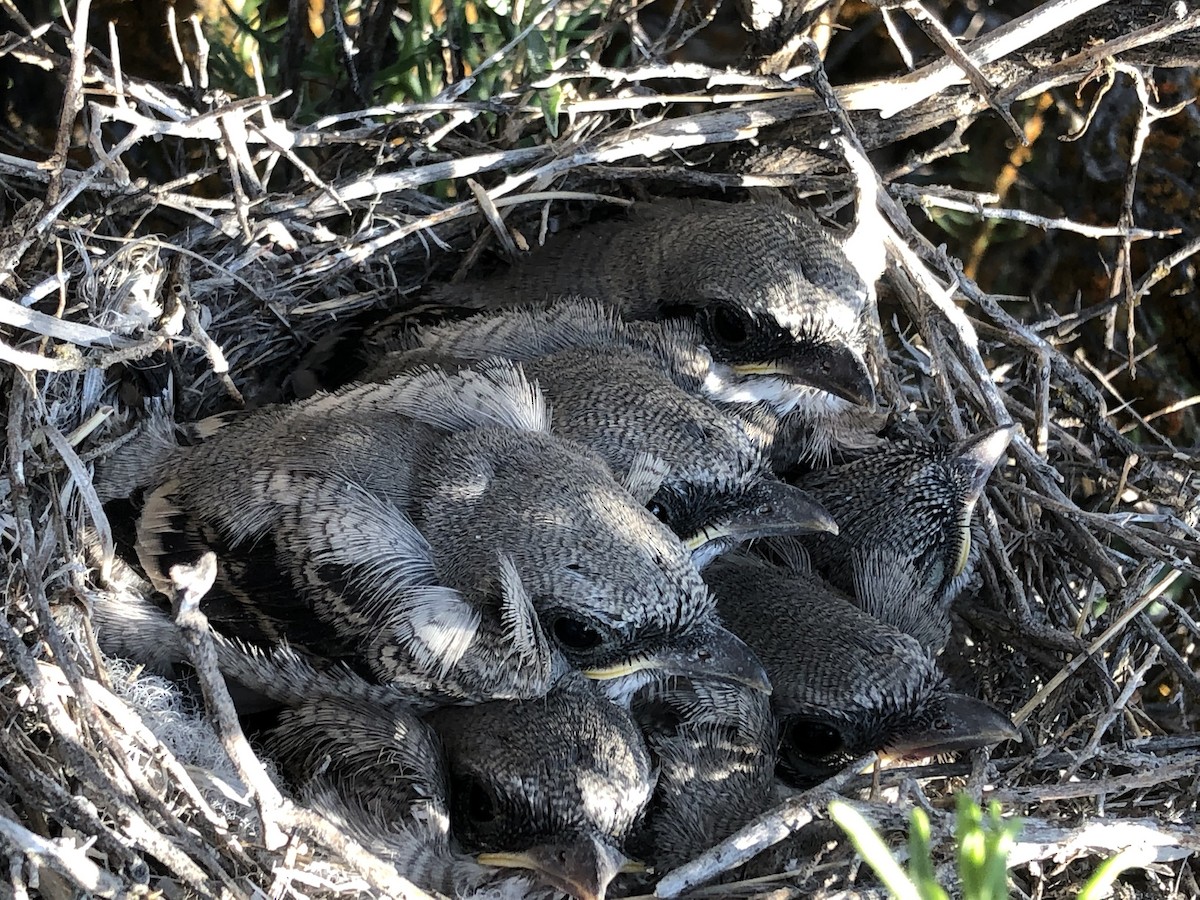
(430, 527)
(629, 393)
(714, 745)
(843, 683)
(469, 795)
(913, 502)
(784, 314)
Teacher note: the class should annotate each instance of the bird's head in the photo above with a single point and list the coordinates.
(613, 588)
(553, 785)
(783, 355)
(844, 683)
(914, 503)
(903, 720)
(782, 310)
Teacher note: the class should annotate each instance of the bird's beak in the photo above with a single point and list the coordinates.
(583, 868)
(962, 723)
(978, 457)
(982, 453)
(838, 370)
(769, 509)
(712, 652)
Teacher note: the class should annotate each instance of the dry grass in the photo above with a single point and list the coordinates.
(198, 242)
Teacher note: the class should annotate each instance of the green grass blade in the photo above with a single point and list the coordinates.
(871, 848)
(1107, 872)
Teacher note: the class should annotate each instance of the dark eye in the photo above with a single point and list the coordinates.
(812, 740)
(481, 808)
(575, 635)
(659, 510)
(727, 326)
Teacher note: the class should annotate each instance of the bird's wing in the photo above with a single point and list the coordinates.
(370, 573)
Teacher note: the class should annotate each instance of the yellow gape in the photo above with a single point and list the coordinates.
(964, 548)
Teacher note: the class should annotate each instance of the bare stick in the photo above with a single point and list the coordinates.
(940, 35)
(969, 202)
(70, 862)
(766, 831)
(1094, 647)
(191, 584)
(492, 215)
(72, 102)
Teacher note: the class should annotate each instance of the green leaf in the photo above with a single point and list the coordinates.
(1001, 834)
(538, 52)
(550, 100)
(972, 845)
(920, 861)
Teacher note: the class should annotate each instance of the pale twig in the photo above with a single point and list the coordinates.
(1048, 840)
(1127, 405)
(13, 254)
(492, 216)
(73, 863)
(899, 94)
(1177, 406)
(1176, 19)
(191, 583)
(1155, 841)
(969, 202)
(87, 494)
(114, 51)
(185, 71)
(893, 30)
(941, 36)
(1069, 790)
(1133, 683)
(764, 832)
(135, 831)
(1164, 267)
(1122, 281)
(675, 71)
(180, 285)
(130, 723)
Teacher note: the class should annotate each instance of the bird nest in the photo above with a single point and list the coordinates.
(179, 246)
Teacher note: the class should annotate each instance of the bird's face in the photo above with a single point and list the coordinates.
(844, 683)
(612, 587)
(871, 704)
(815, 746)
(778, 304)
(783, 351)
(916, 502)
(552, 785)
